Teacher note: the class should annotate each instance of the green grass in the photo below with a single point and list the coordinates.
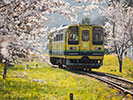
(47, 83)
(111, 66)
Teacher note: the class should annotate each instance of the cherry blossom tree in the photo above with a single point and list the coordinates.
(119, 28)
(129, 2)
(22, 24)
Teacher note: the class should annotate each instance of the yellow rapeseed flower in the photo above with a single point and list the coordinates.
(113, 98)
(81, 81)
(106, 93)
(4, 81)
(65, 97)
(67, 79)
(1, 77)
(34, 94)
(128, 95)
(7, 79)
(102, 97)
(114, 90)
(34, 89)
(11, 83)
(60, 82)
(49, 93)
(72, 79)
(56, 91)
(42, 98)
(29, 95)
(38, 87)
(99, 89)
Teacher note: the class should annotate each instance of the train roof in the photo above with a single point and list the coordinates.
(66, 26)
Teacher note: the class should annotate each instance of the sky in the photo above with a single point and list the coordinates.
(60, 20)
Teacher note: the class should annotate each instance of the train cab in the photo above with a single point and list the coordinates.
(83, 46)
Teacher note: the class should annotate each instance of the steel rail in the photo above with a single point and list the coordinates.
(115, 84)
(115, 77)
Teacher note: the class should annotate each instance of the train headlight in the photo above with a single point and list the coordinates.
(72, 48)
(99, 61)
(98, 48)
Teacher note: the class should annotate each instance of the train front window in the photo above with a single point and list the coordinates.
(97, 36)
(73, 37)
(85, 35)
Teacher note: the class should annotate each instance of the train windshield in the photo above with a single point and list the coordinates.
(85, 35)
(73, 37)
(97, 36)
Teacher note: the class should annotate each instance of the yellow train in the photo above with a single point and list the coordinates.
(77, 46)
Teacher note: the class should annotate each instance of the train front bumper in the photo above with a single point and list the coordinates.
(85, 62)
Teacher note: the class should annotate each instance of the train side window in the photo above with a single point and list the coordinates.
(61, 37)
(62, 33)
(57, 38)
(58, 35)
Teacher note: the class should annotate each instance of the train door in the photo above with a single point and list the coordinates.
(85, 44)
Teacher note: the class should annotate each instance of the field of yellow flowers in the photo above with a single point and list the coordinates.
(46, 83)
(111, 66)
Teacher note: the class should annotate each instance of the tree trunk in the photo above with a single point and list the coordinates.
(5, 70)
(120, 65)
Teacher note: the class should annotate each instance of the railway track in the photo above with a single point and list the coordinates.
(120, 83)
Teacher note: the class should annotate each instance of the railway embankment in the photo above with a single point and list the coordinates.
(42, 82)
(111, 66)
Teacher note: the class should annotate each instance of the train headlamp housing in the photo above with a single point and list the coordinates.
(72, 48)
(98, 48)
